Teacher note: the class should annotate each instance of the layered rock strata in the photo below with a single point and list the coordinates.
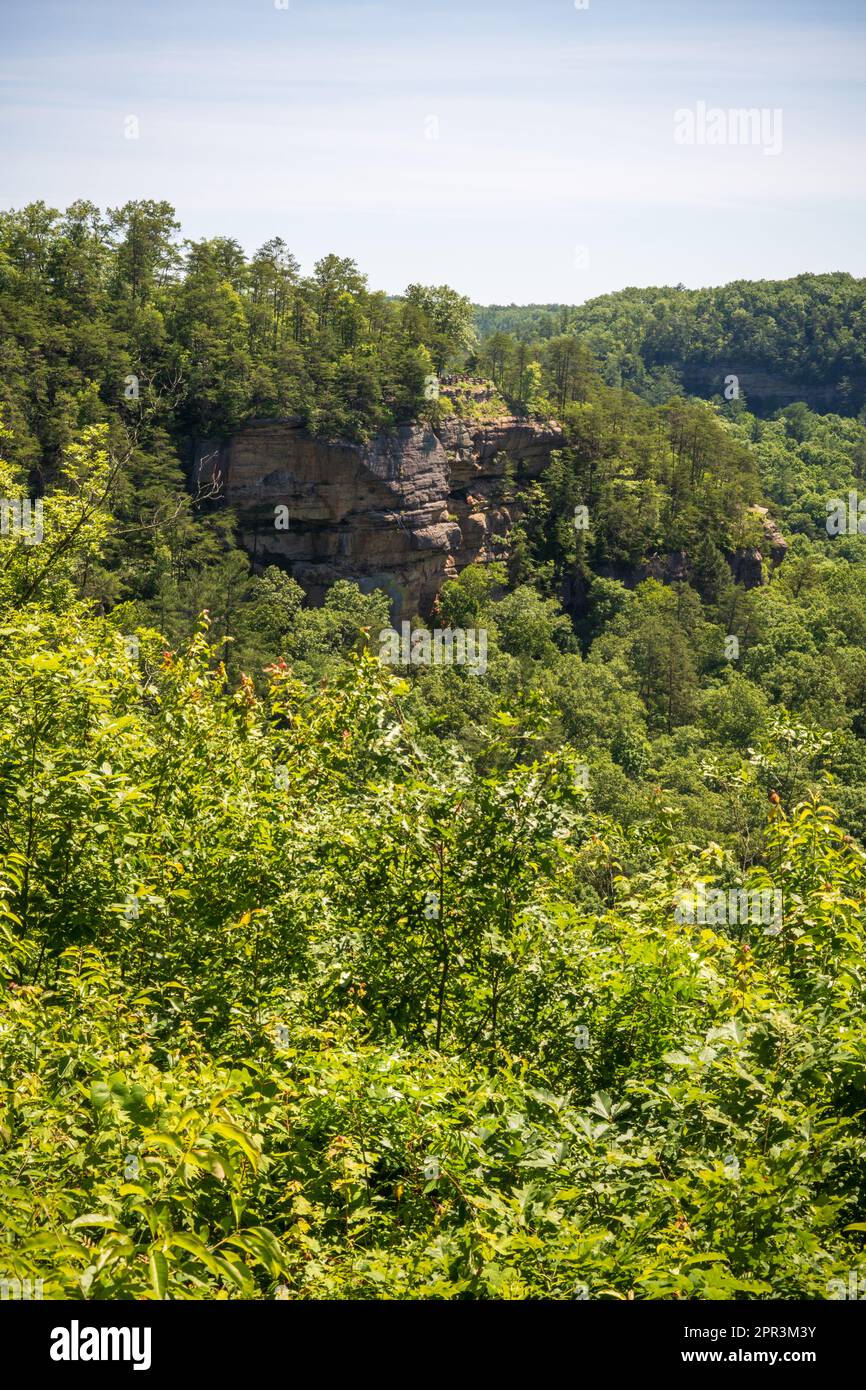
(402, 513)
(407, 510)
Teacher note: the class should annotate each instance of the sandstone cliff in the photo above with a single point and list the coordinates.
(409, 509)
(402, 513)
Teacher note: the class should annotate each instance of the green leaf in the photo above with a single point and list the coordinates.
(158, 1266)
(100, 1094)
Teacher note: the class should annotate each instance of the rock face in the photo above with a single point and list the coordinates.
(406, 511)
(402, 513)
(747, 563)
(774, 542)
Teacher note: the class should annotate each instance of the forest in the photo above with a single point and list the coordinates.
(324, 979)
(809, 330)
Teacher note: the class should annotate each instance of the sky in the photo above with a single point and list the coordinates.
(533, 152)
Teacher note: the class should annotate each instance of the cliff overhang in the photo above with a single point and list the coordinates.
(403, 512)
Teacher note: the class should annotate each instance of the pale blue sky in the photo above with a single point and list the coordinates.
(479, 143)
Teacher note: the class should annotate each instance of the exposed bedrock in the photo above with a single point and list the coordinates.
(402, 513)
(409, 509)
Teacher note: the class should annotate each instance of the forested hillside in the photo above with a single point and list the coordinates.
(89, 300)
(323, 978)
(809, 333)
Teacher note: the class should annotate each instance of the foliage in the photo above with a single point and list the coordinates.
(295, 1007)
(808, 331)
(317, 981)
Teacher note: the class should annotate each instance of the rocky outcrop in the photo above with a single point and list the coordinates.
(774, 542)
(402, 513)
(673, 567)
(747, 562)
(409, 509)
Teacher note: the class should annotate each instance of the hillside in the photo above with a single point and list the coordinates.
(802, 339)
(513, 952)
